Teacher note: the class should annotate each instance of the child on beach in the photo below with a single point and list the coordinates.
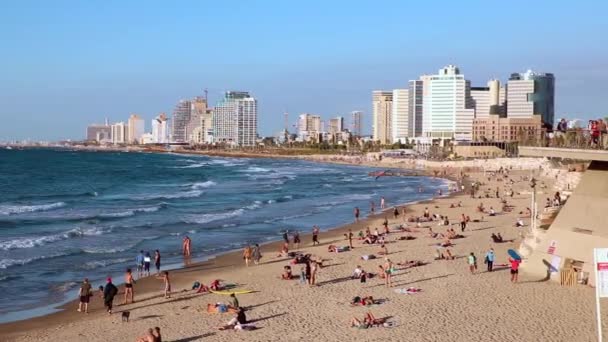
(165, 278)
(472, 261)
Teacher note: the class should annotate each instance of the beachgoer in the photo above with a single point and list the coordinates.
(129, 281)
(256, 254)
(472, 261)
(490, 259)
(463, 223)
(286, 236)
(84, 294)
(234, 302)
(139, 261)
(109, 291)
(147, 261)
(157, 261)
(165, 278)
(315, 235)
(372, 207)
(239, 318)
(357, 212)
(385, 224)
(514, 269)
(389, 269)
(187, 246)
(396, 213)
(314, 267)
(296, 239)
(349, 236)
(303, 275)
(382, 203)
(247, 253)
(148, 337)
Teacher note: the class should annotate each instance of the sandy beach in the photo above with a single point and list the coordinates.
(453, 305)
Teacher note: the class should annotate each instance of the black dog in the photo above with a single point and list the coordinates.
(125, 316)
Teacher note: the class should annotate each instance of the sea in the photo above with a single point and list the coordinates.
(66, 215)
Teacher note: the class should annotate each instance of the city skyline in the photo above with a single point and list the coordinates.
(71, 78)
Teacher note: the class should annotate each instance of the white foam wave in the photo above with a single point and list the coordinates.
(255, 205)
(256, 169)
(6, 263)
(183, 194)
(131, 212)
(91, 265)
(202, 185)
(19, 209)
(43, 240)
(205, 218)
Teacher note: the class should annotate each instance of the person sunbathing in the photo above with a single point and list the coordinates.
(148, 337)
(357, 272)
(284, 251)
(409, 264)
(286, 273)
(492, 212)
(495, 238)
(364, 301)
(368, 321)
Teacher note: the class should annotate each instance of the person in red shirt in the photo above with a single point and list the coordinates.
(514, 269)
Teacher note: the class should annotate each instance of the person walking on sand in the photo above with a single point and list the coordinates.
(247, 254)
(357, 212)
(372, 208)
(463, 223)
(157, 261)
(314, 267)
(187, 246)
(129, 281)
(256, 254)
(389, 268)
(139, 261)
(514, 269)
(396, 213)
(85, 294)
(286, 236)
(315, 235)
(109, 291)
(472, 261)
(165, 278)
(349, 236)
(296, 239)
(490, 259)
(147, 261)
(382, 203)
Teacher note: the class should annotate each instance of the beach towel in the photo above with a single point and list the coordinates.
(368, 257)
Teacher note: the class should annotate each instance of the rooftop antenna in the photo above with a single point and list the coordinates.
(206, 95)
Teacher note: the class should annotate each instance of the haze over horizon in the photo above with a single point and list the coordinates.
(67, 64)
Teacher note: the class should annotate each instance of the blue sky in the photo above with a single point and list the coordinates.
(65, 64)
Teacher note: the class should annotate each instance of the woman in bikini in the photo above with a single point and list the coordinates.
(247, 253)
(165, 277)
(388, 270)
(129, 281)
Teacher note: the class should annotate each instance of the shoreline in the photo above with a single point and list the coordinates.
(61, 312)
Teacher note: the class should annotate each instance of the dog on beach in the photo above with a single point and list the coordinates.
(125, 316)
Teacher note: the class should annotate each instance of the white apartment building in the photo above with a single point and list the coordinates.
(382, 116)
(447, 107)
(401, 120)
(235, 119)
(203, 132)
(481, 101)
(120, 132)
(137, 128)
(336, 125)
(160, 129)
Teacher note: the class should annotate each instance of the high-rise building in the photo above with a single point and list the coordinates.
(197, 111)
(180, 120)
(415, 107)
(235, 119)
(99, 133)
(447, 105)
(531, 93)
(356, 123)
(309, 125)
(481, 98)
(203, 132)
(382, 116)
(137, 128)
(120, 132)
(160, 129)
(401, 120)
(336, 125)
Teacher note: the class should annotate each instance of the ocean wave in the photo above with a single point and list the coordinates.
(91, 265)
(206, 218)
(130, 212)
(256, 169)
(255, 205)
(64, 287)
(202, 185)
(191, 166)
(6, 263)
(30, 242)
(182, 194)
(19, 209)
